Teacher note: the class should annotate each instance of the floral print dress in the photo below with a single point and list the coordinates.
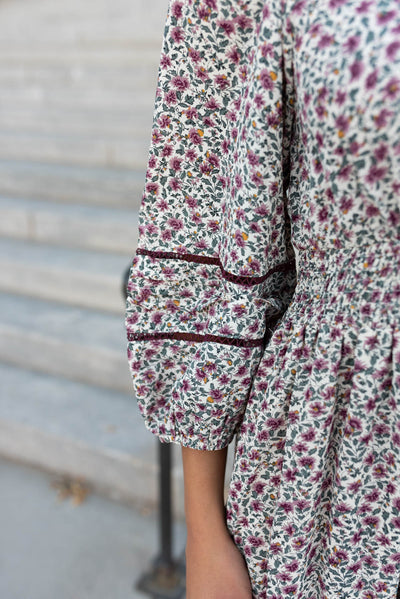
(264, 297)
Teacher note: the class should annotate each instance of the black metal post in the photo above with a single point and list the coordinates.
(166, 578)
(165, 499)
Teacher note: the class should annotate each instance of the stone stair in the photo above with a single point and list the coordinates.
(77, 226)
(82, 185)
(77, 85)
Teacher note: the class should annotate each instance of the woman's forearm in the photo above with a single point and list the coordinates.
(204, 474)
(215, 569)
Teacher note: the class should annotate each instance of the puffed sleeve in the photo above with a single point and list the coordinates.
(214, 269)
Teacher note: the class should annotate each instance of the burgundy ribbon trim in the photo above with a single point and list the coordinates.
(239, 279)
(197, 338)
(174, 255)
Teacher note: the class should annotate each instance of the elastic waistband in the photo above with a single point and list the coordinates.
(363, 266)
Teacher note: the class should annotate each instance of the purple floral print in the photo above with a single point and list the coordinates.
(264, 297)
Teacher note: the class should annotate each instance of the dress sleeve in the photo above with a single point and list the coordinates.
(214, 269)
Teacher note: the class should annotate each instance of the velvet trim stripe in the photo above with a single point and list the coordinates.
(197, 338)
(238, 279)
(176, 256)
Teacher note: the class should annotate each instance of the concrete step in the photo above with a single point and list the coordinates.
(112, 187)
(78, 54)
(63, 98)
(81, 431)
(88, 227)
(76, 277)
(65, 75)
(92, 20)
(106, 152)
(74, 343)
(122, 125)
(68, 546)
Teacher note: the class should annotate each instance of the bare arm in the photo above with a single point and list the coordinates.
(204, 473)
(215, 569)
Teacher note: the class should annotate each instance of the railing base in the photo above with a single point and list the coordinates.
(164, 582)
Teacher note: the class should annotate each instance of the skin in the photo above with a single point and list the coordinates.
(215, 569)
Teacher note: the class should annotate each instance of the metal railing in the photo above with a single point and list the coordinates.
(166, 577)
